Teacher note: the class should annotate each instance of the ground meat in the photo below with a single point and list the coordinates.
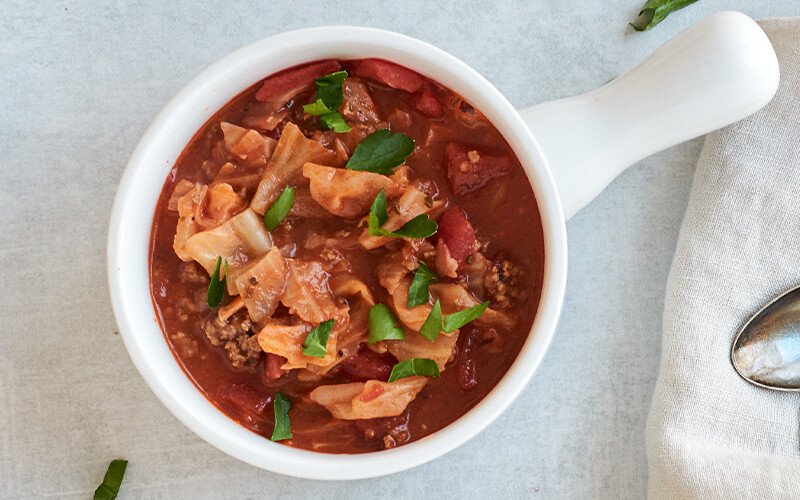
(186, 344)
(502, 284)
(334, 261)
(192, 273)
(393, 431)
(235, 336)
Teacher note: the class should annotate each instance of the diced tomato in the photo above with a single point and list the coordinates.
(247, 401)
(426, 101)
(369, 365)
(456, 232)
(374, 393)
(390, 74)
(278, 89)
(272, 367)
(469, 169)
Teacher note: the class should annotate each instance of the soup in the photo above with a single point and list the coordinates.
(347, 257)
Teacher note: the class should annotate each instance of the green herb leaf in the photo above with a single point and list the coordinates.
(383, 325)
(283, 426)
(317, 107)
(420, 226)
(418, 290)
(217, 286)
(329, 89)
(377, 214)
(453, 322)
(433, 325)
(655, 11)
(316, 341)
(112, 481)
(279, 209)
(329, 100)
(335, 122)
(329, 94)
(413, 367)
(381, 151)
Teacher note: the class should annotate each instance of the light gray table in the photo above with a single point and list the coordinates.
(79, 83)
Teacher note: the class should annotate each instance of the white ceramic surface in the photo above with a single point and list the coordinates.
(711, 75)
(597, 118)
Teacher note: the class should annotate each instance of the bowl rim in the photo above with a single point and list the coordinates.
(150, 164)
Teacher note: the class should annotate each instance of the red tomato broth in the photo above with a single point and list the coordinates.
(505, 217)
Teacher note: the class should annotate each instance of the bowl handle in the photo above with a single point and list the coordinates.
(719, 71)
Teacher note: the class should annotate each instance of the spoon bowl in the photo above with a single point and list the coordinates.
(766, 351)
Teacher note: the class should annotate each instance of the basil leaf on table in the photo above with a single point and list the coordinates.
(453, 322)
(418, 290)
(277, 212)
(414, 367)
(316, 341)
(433, 324)
(420, 226)
(655, 11)
(382, 325)
(109, 489)
(283, 427)
(381, 151)
(217, 286)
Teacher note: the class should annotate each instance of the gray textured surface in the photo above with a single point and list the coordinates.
(80, 81)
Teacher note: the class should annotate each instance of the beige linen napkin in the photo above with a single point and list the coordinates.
(710, 434)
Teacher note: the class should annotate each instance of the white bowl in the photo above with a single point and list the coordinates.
(155, 156)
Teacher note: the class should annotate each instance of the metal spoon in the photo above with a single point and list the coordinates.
(766, 351)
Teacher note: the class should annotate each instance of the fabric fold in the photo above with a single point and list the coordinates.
(710, 434)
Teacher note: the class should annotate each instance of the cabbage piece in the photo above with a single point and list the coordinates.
(225, 312)
(305, 207)
(187, 227)
(417, 346)
(357, 103)
(371, 399)
(182, 187)
(361, 299)
(396, 266)
(412, 202)
(412, 317)
(278, 337)
(349, 193)
(240, 241)
(240, 141)
(346, 285)
(286, 165)
(218, 203)
(446, 265)
(241, 178)
(455, 298)
(262, 284)
(201, 208)
(308, 294)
